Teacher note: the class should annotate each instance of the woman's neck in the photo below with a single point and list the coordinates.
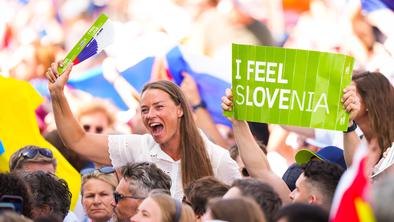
(172, 147)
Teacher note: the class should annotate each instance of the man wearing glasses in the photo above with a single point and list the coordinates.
(33, 158)
(137, 181)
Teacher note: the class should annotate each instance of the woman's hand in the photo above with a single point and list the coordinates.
(227, 100)
(351, 101)
(57, 81)
(190, 89)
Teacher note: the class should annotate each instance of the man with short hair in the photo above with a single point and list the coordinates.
(199, 192)
(264, 195)
(317, 183)
(138, 180)
(33, 158)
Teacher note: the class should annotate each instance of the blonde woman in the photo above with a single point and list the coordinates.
(160, 207)
(97, 190)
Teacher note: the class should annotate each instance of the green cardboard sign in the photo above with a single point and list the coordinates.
(290, 86)
(92, 31)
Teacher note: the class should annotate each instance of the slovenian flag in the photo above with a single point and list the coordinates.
(99, 36)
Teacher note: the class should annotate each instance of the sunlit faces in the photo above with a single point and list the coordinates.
(161, 116)
(302, 192)
(148, 211)
(36, 166)
(127, 207)
(97, 198)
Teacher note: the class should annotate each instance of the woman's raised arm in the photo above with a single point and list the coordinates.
(92, 146)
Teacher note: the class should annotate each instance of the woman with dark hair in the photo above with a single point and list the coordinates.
(370, 102)
(174, 142)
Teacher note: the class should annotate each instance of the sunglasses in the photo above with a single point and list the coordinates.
(103, 170)
(32, 153)
(118, 197)
(97, 129)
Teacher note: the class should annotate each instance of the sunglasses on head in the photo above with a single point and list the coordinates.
(97, 129)
(103, 170)
(32, 153)
(118, 197)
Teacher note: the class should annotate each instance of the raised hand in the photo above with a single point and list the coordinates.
(351, 101)
(227, 100)
(57, 81)
(190, 89)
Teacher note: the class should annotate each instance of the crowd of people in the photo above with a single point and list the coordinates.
(165, 159)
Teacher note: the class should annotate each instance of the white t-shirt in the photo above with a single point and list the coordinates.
(137, 148)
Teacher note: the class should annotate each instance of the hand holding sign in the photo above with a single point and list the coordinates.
(351, 101)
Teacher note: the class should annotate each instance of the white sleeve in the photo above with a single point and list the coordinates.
(126, 148)
(227, 170)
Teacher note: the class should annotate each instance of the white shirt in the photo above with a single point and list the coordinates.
(137, 148)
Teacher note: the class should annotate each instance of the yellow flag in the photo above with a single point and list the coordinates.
(18, 128)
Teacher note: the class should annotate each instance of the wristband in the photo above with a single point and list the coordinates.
(351, 128)
(202, 104)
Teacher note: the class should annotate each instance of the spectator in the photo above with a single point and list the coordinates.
(95, 118)
(138, 180)
(173, 136)
(234, 210)
(32, 158)
(264, 195)
(370, 103)
(11, 184)
(51, 195)
(317, 183)
(160, 207)
(199, 192)
(97, 190)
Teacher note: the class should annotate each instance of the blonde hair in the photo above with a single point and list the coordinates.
(168, 207)
(107, 178)
(94, 107)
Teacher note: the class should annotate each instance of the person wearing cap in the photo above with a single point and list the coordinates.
(32, 158)
(317, 183)
(332, 154)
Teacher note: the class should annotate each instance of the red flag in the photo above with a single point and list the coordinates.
(350, 202)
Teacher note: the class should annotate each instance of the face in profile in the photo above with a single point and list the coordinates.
(126, 207)
(97, 198)
(148, 211)
(302, 191)
(161, 116)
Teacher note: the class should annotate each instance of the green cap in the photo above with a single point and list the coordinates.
(303, 156)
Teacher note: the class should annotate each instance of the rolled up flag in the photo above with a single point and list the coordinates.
(99, 36)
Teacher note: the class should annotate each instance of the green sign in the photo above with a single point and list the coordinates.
(289, 86)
